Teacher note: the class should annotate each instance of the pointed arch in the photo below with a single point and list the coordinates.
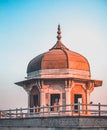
(34, 96)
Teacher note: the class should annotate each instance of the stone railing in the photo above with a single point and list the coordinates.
(58, 110)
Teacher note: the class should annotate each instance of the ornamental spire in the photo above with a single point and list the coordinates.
(59, 33)
(59, 44)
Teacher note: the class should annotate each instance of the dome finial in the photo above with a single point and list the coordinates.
(59, 33)
(59, 44)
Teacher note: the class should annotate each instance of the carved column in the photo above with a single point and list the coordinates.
(68, 96)
(90, 88)
(42, 97)
(67, 90)
(28, 89)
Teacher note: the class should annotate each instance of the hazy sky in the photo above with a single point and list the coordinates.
(29, 28)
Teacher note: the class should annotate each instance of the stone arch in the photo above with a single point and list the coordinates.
(79, 90)
(34, 96)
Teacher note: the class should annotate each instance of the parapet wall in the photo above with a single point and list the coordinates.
(55, 123)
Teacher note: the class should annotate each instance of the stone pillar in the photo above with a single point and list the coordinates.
(90, 88)
(68, 96)
(68, 102)
(28, 89)
(42, 97)
(87, 107)
(67, 91)
(88, 97)
(28, 99)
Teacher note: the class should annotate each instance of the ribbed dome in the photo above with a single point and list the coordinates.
(58, 57)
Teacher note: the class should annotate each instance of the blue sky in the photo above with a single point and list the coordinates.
(29, 27)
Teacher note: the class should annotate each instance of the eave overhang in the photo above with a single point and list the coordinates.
(97, 83)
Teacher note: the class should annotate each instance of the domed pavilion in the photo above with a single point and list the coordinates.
(59, 76)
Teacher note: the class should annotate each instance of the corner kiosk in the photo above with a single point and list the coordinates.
(59, 77)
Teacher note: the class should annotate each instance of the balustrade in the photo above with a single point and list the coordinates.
(57, 110)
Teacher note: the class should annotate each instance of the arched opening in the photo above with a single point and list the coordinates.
(78, 95)
(35, 100)
(54, 101)
(35, 97)
(77, 99)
